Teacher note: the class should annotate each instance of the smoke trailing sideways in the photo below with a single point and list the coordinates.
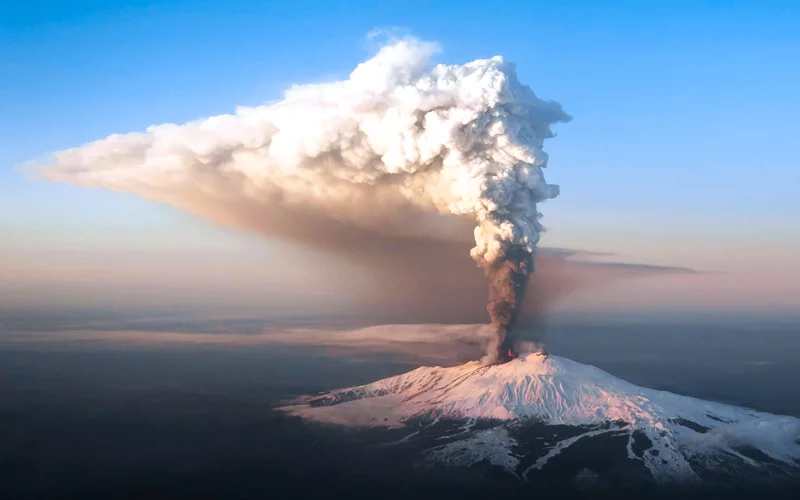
(401, 149)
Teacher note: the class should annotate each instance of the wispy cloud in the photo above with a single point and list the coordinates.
(421, 343)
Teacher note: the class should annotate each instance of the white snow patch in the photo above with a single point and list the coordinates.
(493, 445)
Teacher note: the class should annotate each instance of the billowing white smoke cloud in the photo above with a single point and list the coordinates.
(457, 139)
(388, 150)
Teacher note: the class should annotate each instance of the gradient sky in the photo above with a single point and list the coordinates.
(683, 150)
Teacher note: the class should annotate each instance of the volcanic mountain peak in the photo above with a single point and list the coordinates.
(557, 391)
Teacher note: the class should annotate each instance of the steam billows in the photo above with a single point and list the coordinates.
(396, 141)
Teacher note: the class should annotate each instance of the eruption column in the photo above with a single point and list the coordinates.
(402, 148)
(508, 279)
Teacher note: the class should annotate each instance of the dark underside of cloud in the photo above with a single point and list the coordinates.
(436, 282)
(417, 279)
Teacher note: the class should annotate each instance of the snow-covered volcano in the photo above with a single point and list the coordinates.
(677, 438)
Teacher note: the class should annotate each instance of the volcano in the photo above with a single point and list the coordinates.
(524, 414)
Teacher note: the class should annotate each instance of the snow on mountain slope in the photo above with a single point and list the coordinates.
(554, 390)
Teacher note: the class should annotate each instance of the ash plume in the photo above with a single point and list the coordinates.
(401, 150)
(508, 281)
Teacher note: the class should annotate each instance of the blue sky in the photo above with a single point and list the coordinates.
(683, 149)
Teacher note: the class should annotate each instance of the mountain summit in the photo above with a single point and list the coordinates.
(677, 438)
